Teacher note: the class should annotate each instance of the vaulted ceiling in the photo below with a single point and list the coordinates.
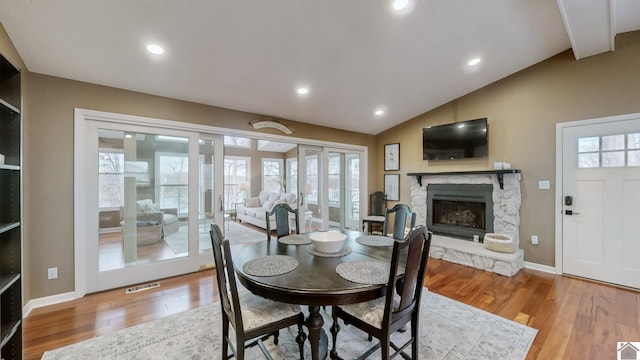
(367, 66)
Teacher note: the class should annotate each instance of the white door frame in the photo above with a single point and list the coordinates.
(84, 223)
(559, 173)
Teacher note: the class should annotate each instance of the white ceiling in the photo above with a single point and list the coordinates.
(355, 55)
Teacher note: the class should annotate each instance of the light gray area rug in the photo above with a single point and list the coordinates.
(236, 233)
(448, 330)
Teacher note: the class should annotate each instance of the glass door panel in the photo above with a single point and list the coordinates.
(210, 203)
(142, 197)
(310, 198)
(352, 184)
(344, 189)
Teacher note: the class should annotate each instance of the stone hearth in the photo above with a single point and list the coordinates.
(506, 210)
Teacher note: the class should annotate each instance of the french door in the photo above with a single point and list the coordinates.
(145, 197)
(600, 200)
(329, 184)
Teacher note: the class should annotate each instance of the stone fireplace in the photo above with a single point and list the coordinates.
(492, 197)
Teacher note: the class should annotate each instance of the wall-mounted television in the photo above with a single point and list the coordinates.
(465, 139)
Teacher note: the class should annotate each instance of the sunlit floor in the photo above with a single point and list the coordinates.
(111, 252)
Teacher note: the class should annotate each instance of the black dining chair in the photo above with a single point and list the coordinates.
(253, 318)
(282, 213)
(401, 213)
(382, 317)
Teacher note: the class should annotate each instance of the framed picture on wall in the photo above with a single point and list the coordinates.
(392, 157)
(392, 186)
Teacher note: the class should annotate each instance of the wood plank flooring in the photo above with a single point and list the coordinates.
(576, 319)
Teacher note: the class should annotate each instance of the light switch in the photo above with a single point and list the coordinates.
(544, 185)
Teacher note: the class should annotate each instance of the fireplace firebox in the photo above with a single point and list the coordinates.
(460, 210)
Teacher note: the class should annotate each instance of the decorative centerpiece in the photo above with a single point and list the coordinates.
(328, 241)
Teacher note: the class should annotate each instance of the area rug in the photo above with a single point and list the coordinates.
(448, 330)
(236, 233)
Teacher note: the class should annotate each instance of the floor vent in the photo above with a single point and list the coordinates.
(138, 288)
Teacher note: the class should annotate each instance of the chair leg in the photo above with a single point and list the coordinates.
(225, 339)
(335, 328)
(300, 339)
(385, 345)
(276, 334)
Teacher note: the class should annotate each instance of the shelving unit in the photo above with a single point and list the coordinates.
(10, 213)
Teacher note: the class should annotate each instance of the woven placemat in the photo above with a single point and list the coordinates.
(375, 240)
(296, 239)
(270, 265)
(345, 251)
(364, 272)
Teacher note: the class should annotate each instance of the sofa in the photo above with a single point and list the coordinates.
(152, 223)
(253, 210)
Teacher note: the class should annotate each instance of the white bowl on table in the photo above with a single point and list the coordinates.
(328, 241)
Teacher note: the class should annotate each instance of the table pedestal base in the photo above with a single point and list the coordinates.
(317, 337)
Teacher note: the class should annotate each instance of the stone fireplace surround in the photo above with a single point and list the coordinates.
(506, 210)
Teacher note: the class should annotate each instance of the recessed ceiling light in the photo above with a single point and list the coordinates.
(379, 112)
(474, 61)
(400, 4)
(155, 49)
(302, 90)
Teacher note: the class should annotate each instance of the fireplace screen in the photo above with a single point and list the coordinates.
(459, 213)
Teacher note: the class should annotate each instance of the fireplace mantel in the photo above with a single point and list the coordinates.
(499, 174)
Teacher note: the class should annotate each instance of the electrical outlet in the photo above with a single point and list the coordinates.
(534, 239)
(52, 273)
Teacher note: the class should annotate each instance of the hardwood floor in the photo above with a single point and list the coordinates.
(576, 319)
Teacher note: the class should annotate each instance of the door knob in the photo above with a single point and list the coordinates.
(571, 212)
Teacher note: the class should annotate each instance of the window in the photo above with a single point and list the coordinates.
(237, 141)
(609, 151)
(236, 171)
(110, 179)
(173, 181)
(272, 179)
(292, 175)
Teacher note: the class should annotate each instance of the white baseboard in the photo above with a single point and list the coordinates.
(540, 267)
(45, 301)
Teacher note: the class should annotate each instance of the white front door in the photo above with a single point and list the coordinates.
(600, 199)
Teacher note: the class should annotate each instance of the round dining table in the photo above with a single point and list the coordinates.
(314, 281)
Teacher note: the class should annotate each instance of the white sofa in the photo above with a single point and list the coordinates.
(253, 210)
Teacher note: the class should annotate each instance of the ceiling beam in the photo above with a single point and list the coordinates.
(590, 25)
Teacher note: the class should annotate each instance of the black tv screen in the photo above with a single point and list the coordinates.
(465, 139)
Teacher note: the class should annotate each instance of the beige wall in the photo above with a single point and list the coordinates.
(523, 110)
(48, 122)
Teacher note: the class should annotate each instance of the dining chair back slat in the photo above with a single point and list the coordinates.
(282, 214)
(400, 214)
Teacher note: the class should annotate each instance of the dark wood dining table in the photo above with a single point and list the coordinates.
(314, 282)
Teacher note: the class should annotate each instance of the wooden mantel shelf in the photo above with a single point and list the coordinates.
(499, 174)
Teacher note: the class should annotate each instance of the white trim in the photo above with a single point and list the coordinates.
(540, 267)
(46, 301)
(559, 166)
(186, 126)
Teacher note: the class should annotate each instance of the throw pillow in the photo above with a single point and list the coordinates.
(267, 204)
(252, 202)
(277, 202)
